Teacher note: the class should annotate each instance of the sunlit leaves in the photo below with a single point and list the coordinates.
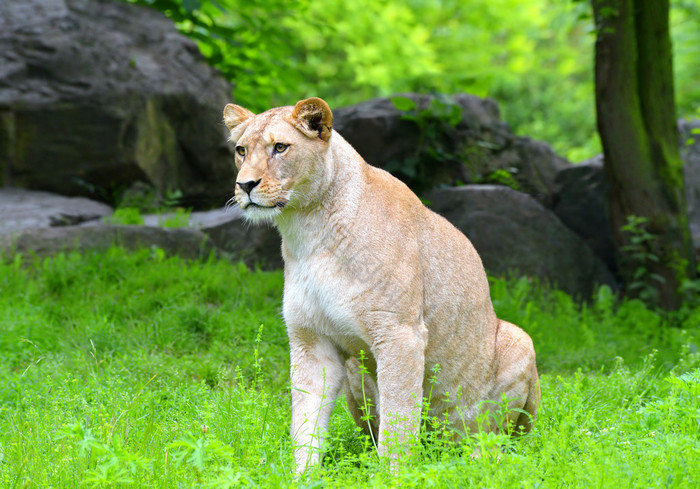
(535, 57)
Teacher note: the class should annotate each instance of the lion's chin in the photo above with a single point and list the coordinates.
(257, 213)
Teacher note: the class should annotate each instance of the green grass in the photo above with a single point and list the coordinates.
(138, 370)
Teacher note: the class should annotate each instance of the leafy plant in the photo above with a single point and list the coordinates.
(128, 216)
(638, 254)
(501, 177)
(178, 219)
(252, 43)
(142, 199)
(367, 403)
(107, 463)
(533, 56)
(200, 451)
(171, 199)
(436, 124)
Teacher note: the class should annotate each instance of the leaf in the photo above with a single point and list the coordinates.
(608, 12)
(191, 5)
(658, 278)
(403, 103)
(639, 273)
(455, 116)
(691, 377)
(416, 119)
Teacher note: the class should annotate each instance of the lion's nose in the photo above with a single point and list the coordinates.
(249, 185)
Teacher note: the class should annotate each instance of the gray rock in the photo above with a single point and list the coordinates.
(580, 201)
(27, 209)
(375, 129)
(690, 154)
(256, 245)
(513, 232)
(25, 216)
(97, 94)
(42, 242)
(478, 146)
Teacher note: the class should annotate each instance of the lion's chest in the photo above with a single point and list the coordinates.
(318, 297)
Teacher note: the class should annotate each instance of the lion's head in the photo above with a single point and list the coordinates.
(280, 155)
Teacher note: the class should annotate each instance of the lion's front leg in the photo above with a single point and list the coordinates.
(317, 374)
(400, 368)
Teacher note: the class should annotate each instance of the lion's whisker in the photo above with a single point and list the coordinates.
(231, 203)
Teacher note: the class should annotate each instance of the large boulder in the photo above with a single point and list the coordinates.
(514, 233)
(96, 94)
(29, 220)
(43, 242)
(580, 201)
(256, 245)
(29, 209)
(478, 148)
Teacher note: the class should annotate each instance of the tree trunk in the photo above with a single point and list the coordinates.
(637, 125)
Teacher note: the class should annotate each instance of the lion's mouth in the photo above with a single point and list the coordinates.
(276, 205)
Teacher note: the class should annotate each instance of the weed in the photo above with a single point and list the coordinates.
(638, 254)
(143, 199)
(128, 216)
(180, 218)
(367, 403)
(500, 177)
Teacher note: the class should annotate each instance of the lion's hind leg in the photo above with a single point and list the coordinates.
(363, 398)
(516, 377)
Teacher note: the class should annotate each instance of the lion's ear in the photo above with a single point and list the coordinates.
(234, 116)
(314, 118)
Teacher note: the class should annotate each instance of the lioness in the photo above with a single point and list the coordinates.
(370, 273)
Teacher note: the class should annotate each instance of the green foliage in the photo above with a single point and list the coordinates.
(126, 216)
(501, 177)
(112, 462)
(685, 31)
(128, 369)
(171, 199)
(638, 255)
(252, 43)
(178, 219)
(431, 157)
(145, 199)
(694, 133)
(535, 57)
(434, 161)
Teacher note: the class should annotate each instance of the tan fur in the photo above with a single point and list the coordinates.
(369, 268)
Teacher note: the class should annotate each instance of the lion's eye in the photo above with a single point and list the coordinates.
(240, 150)
(281, 147)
